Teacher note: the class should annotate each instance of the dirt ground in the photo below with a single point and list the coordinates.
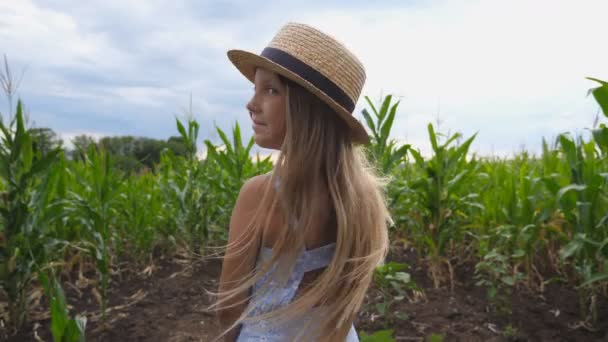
(167, 303)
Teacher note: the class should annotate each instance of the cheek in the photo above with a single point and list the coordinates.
(278, 123)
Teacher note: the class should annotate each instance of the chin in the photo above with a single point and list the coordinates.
(265, 143)
(260, 141)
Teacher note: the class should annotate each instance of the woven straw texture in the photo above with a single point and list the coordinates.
(321, 52)
(324, 54)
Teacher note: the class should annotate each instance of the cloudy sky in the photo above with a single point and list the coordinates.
(514, 70)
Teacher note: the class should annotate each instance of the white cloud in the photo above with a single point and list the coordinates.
(511, 70)
(68, 136)
(46, 37)
(507, 63)
(145, 96)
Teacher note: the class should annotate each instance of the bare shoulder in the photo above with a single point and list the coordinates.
(248, 199)
(243, 241)
(245, 208)
(252, 190)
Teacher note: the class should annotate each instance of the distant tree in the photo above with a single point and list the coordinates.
(132, 154)
(119, 145)
(128, 164)
(147, 151)
(81, 144)
(177, 145)
(45, 140)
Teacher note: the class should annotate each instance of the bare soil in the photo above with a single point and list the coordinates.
(168, 301)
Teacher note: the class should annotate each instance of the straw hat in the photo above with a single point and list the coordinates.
(315, 61)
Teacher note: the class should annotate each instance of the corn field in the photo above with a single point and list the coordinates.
(525, 221)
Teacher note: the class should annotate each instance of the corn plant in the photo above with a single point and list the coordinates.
(494, 272)
(392, 278)
(139, 205)
(22, 205)
(382, 149)
(584, 202)
(91, 207)
(517, 217)
(234, 160)
(388, 156)
(63, 328)
(600, 136)
(229, 165)
(179, 180)
(442, 200)
(600, 94)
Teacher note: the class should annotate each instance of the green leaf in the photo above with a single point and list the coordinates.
(237, 140)
(388, 124)
(392, 267)
(450, 140)
(211, 150)
(454, 182)
(225, 140)
(569, 148)
(601, 95)
(250, 145)
(45, 163)
(600, 136)
(19, 117)
(435, 338)
(403, 277)
(378, 336)
(519, 253)
(603, 83)
(370, 123)
(571, 187)
(396, 157)
(193, 128)
(75, 330)
(28, 152)
(417, 157)
(381, 307)
(508, 280)
(462, 150)
(433, 137)
(595, 278)
(384, 109)
(371, 104)
(182, 130)
(571, 248)
(402, 316)
(59, 314)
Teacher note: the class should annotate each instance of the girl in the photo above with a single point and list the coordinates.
(305, 238)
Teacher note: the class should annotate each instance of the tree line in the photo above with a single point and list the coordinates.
(131, 154)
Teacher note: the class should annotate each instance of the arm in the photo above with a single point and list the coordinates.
(235, 266)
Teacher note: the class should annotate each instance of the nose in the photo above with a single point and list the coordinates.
(252, 106)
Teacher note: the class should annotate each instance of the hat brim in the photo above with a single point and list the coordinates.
(246, 62)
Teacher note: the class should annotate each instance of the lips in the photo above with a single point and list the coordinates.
(256, 126)
(254, 120)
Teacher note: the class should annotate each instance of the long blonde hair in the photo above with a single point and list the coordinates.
(317, 154)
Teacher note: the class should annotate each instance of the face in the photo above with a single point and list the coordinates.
(267, 109)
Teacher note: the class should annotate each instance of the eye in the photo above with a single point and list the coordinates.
(267, 89)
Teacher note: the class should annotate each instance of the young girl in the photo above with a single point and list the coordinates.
(305, 238)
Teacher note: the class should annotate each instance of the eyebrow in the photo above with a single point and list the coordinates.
(266, 82)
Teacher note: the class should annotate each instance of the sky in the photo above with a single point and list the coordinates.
(511, 71)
